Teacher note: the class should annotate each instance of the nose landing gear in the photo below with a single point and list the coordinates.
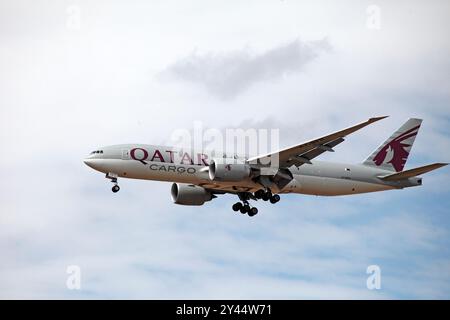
(113, 178)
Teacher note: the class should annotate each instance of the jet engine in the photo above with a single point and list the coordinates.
(190, 195)
(228, 170)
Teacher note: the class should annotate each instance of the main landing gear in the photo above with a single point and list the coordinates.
(267, 196)
(113, 178)
(244, 206)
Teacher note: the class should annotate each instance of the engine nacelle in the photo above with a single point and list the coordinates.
(228, 170)
(189, 195)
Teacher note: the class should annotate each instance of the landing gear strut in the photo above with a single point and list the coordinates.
(113, 178)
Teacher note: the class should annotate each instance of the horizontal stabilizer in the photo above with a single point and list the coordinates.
(413, 172)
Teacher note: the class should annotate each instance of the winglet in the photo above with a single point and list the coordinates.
(375, 119)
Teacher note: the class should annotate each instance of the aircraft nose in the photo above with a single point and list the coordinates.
(88, 162)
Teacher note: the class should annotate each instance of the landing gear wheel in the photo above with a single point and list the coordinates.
(237, 206)
(253, 211)
(259, 194)
(115, 189)
(275, 198)
(245, 209)
(265, 197)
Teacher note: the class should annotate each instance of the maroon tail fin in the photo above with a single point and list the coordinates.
(393, 153)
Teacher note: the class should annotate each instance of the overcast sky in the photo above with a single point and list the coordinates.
(76, 75)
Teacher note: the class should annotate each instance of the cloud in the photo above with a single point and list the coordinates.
(67, 92)
(228, 74)
(136, 244)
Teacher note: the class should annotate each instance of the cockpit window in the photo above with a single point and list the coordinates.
(96, 151)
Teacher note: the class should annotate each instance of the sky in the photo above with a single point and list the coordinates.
(77, 75)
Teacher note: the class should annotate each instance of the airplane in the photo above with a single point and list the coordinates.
(199, 177)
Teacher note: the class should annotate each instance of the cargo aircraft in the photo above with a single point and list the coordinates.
(200, 176)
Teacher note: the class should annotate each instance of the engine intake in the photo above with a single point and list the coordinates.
(190, 195)
(228, 170)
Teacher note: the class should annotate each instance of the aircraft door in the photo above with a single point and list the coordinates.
(125, 154)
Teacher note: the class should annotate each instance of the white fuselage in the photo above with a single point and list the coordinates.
(183, 166)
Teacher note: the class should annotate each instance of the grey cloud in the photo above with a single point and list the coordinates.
(228, 74)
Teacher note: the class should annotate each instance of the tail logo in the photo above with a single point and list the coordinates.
(396, 152)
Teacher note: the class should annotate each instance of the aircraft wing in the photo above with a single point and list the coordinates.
(302, 153)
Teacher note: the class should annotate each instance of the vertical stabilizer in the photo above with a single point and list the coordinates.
(393, 153)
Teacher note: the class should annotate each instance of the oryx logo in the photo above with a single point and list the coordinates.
(396, 152)
(228, 167)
